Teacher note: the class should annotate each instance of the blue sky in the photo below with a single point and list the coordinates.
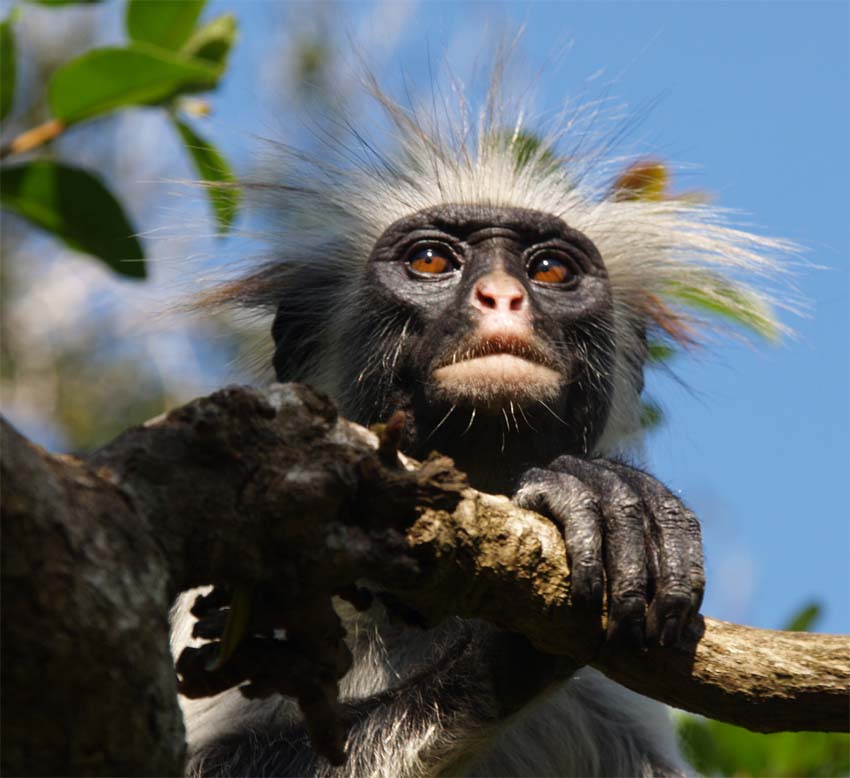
(752, 100)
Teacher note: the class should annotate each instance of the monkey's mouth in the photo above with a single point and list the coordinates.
(499, 370)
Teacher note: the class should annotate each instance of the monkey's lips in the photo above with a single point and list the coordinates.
(497, 372)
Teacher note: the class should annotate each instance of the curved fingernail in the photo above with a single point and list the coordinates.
(631, 634)
(671, 631)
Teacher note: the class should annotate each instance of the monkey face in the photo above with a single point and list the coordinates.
(494, 309)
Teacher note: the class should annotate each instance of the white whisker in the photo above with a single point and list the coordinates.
(469, 426)
(513, 415)
(530, 425)
(553, 412)
(441, 422)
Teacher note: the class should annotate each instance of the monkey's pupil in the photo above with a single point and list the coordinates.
(427, 261)
(549, 271)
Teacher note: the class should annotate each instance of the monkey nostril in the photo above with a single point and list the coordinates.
(499, 293)
(485, 300)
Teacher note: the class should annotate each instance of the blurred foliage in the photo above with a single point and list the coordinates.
(138, 74)
(804, 620)
(528, 148)
(718, 749)
(214, 170)
(714, 748)
(168, 56)
(65, 2)
(166, 23)
(7, 67)
(659, 353)
(643, 180)
(83, 356)
(213, 40)
(718, 297)
(75, 207)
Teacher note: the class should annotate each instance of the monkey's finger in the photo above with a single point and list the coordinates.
(625, 554)
(676, 538)
(567, 501)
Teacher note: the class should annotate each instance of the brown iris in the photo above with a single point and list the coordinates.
(430, 261)
(549, 270)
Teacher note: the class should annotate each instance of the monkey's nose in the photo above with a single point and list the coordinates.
(498, 293)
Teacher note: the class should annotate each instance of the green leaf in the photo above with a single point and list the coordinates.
(77, 208)
(716, 296)
(65, 2)
(212, 41)
(659, 353)
(102, 80)
(165, 23)
(651, 415)
(644, 180)
(526, 148)
(805, 618)
(715, 748)
(213, 169)
(7, 67)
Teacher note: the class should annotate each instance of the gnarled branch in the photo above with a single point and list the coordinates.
(241, 487)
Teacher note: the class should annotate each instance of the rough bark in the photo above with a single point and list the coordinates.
(241, 487)
(87, 684)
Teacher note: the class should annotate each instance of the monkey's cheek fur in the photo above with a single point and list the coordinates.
(497, 379)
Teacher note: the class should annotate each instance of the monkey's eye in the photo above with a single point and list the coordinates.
(430, 261)
(550, 270)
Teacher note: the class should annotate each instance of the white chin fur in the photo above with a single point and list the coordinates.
(497, 378)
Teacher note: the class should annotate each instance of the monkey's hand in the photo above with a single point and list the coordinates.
(628, 536)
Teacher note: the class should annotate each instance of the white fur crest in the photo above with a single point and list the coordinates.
(663, 256)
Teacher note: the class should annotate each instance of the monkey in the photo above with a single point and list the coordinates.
(495, 287)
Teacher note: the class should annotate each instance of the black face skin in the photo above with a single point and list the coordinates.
(571, 324)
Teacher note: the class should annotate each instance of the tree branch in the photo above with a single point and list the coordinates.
(241, 487)
(33, 138)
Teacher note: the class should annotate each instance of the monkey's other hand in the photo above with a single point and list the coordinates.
(627, 532)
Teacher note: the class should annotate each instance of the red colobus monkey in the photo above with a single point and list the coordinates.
(491, 283)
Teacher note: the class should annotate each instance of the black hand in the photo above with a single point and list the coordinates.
(621, 521)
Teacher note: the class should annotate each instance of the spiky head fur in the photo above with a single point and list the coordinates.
(670, 260)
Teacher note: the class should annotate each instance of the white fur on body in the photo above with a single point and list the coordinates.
(587, 726)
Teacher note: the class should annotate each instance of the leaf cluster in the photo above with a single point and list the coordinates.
(169, 55)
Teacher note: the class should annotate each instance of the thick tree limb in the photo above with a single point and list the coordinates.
(238, 488)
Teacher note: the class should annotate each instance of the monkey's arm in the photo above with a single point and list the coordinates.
(437, 719)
